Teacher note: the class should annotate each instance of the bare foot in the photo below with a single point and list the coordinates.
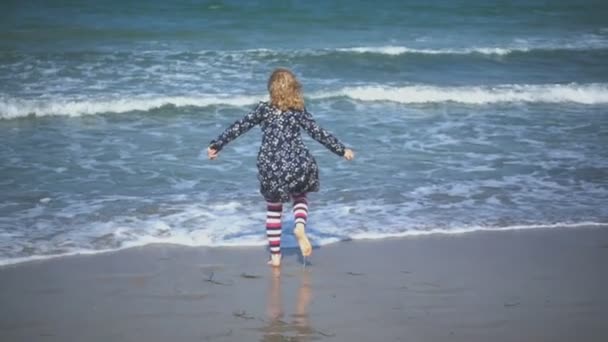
(300, 233)
(275, 260)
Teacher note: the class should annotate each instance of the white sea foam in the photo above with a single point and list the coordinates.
(201, 239)
(584, 42)
(13, 108)
(462, 230)
(596, 93)
(589, 94)
(402, 50)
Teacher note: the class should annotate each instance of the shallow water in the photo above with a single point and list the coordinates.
(464, 116)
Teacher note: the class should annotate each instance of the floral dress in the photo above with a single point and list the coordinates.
(285, 165)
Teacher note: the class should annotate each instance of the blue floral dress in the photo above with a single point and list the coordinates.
(284, 163)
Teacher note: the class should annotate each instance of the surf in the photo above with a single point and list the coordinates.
(586, 94)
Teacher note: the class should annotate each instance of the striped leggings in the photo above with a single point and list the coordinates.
(273, 219)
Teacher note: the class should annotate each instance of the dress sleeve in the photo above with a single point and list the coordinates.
(237, 128)
(319, 134)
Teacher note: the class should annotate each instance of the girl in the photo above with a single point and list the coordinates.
(287, 170)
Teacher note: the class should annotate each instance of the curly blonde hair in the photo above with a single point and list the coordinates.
(285, 90)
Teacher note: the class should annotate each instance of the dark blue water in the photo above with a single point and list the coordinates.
(464, 115)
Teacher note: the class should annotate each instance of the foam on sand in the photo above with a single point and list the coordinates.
(201, 239)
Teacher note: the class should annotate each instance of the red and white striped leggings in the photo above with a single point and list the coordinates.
(273, 219)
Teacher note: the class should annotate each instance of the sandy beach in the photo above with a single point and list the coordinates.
(475, 208)
(535, 285)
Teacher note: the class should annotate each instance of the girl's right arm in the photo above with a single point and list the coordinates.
(235, 130)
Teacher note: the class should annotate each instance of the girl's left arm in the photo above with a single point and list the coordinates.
(237, 128)
(321, 135)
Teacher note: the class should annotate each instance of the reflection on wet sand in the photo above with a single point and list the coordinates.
(297, 326)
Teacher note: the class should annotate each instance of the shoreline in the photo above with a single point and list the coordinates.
(15, 262)
(516, 285)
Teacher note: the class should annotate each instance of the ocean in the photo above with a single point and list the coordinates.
(464, 116)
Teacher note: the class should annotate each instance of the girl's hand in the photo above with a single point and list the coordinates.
(349, 154)
(212, 153)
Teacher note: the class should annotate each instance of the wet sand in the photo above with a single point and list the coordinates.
(535, 285)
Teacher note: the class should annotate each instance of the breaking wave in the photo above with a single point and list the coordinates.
(587, 94)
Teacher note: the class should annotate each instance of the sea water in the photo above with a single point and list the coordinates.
(464, 115)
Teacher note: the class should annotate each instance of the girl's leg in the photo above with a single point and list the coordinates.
(273, 231)
(300, 213)
(300, 209)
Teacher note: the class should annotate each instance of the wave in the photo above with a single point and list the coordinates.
(15, 108)
(587, 41)
(408, 233)
(554, 93)
(388, 50)
(181, 240)
(395, 50)
(519, 46)
(597, 44)
(402, 50)
(588, 94)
